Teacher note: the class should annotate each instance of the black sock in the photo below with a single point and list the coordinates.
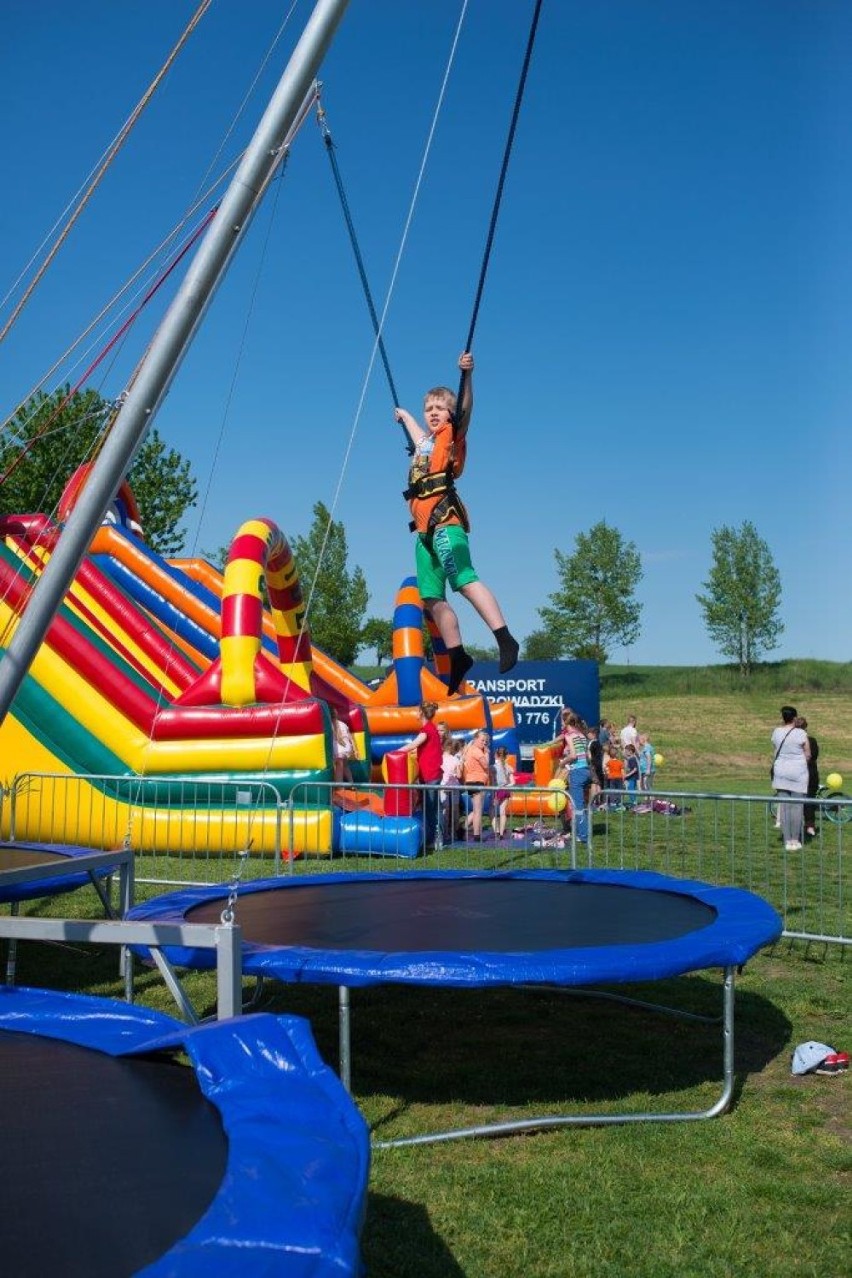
(509, 648)
(460, 663)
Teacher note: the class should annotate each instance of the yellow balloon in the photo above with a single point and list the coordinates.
(834, 781)
(558, 801)
(659, 760)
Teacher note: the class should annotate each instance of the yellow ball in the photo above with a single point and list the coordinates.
(558, 802)
(834, 781)
(659, 760)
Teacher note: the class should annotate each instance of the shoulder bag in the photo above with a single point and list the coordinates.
(777, 752)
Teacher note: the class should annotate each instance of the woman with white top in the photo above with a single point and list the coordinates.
(790, 775)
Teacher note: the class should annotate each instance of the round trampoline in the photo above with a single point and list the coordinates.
(255, 1150)
(17, 860)
(30, 871)
(571, 928)
(467, 928)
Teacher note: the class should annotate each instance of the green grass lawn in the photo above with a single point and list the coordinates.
(762, 1190)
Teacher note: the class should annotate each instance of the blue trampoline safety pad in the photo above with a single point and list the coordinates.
(464, 928)
(293, 1193)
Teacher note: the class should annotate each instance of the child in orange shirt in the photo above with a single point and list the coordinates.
(614, 771)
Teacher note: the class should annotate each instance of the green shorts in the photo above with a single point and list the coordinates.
(443, 557)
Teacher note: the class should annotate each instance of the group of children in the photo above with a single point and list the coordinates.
(630, 768)
(467, 777)
(596, 759)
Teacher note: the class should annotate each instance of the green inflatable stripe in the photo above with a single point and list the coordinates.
(57, 730)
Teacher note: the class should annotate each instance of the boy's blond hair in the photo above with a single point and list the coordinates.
(443, 393)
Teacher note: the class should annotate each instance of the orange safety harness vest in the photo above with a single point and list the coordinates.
(423, 484)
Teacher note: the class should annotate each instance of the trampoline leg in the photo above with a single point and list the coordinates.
(12, 952)
(723, 1104)
(720, 1106)
(344, 1037)
(126, 897)
(126, 900)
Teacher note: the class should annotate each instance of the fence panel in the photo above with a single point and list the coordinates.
(195, 830)
(189, 830)
(735, 839)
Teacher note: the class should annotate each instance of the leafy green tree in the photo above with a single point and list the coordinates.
(218, 557)
(337, 598)
(542, 645)
(164, 489)
(743, 595)
(595, 605)
(161, 479)
(377, 633)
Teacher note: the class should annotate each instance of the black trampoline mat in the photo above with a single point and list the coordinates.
(18, 858)
(104, 1162)
(477, 915)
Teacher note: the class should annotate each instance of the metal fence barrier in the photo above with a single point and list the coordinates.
(735, 839)
(729, 839)
(538, 836)
(187, 830)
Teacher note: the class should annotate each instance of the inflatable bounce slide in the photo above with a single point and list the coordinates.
(185, 699)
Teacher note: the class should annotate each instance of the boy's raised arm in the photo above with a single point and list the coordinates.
(465, 406)
(411, 424)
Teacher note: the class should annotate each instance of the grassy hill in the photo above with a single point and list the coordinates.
(786, 679)
(780, 678)
(713, 728)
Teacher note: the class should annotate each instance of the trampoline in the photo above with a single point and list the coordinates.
(25, 870)
(117, 1160)
(29, 871)
(539, 927)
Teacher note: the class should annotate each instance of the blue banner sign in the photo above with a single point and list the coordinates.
(539, 690)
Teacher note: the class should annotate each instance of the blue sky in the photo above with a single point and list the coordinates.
(665, 331)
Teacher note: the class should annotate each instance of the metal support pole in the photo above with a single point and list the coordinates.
(12, 952)
(170, 344)
(229, 970)
(344, 1037)
(126, 899)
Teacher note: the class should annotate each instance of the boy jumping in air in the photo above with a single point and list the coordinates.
(440, 520)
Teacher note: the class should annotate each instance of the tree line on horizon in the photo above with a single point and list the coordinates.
(593, 608)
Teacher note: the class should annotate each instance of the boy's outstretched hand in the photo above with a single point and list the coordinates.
(403, 415)
(466, 362)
